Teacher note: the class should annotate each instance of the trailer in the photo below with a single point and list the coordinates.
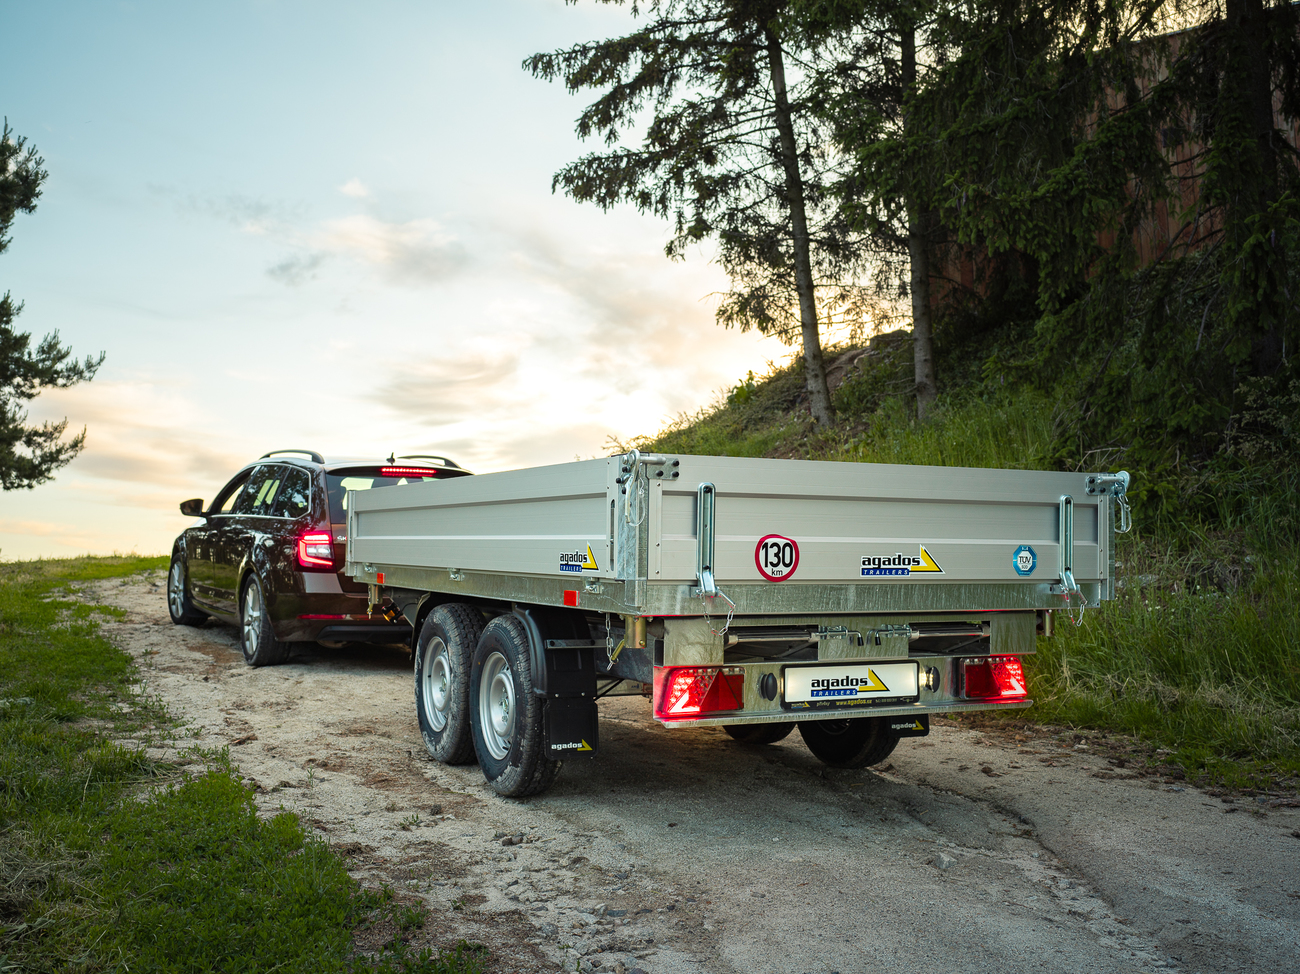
(851, 600)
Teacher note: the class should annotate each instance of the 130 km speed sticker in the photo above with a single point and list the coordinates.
(776, 557)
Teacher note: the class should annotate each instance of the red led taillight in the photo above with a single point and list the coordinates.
(993, 678)
(316, 550)
(407, 472)
(692, 692)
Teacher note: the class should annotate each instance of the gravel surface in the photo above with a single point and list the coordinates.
(681, 851)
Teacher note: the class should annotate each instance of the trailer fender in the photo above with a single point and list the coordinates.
(556, 628)
(563, 667)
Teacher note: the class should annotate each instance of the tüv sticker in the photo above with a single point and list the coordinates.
(1024, 560)
(577, 562)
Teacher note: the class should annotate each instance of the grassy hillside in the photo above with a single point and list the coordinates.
(1200, 653)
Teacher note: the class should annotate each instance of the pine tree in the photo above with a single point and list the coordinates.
(1131, 165)
(29, 455)
(732, 151)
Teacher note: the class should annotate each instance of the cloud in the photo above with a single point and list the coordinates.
(354, 188)
(61, 534)
(298, 269)
(453, 388)
(250, 214)
(410, 252)
(414, 252)
(139, 434)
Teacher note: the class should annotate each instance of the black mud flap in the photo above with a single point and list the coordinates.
(918, 726)
(571, 727)
(571, 719)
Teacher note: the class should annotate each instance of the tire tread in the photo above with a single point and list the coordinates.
(535, 770)
(459, 622)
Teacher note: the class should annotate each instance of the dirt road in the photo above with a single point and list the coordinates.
(680, 851)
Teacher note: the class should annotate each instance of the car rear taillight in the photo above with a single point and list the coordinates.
(407, 472)
(693, 692)
(993, 678)
(316, 550)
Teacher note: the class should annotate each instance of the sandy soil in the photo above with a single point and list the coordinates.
(679, 851)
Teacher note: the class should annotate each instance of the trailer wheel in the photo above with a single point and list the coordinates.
(505, 715)
(758, 733)
(852, 742)
(443, 654)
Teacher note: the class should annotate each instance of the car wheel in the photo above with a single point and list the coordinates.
(505, 714)
(851, 742)
(758, 733)
(443, 656)
(256, 637)
(179, 606)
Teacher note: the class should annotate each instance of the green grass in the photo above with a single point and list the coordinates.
(111, 862)
(1199, 655)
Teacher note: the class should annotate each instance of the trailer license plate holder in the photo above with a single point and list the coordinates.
(849, 686)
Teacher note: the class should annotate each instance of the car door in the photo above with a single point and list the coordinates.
(204, 540)
(235, 536)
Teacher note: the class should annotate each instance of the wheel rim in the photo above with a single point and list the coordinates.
(834, 728)
(252, 617)
(496, 704)
(435, 688)
(176, 589)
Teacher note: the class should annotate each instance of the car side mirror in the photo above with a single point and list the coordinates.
(192, 507)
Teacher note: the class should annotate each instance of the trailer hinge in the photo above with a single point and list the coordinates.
(632, 465)
(705, 503)
(1067, 586)
(905, 631)
(857, 638)
(1116, 485)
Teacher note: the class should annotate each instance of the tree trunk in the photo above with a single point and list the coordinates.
(918, 251)
(814, 368)
(1247, 94)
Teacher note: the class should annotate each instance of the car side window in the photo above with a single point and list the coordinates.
(225, 502)
(294, 496)
(254, 493)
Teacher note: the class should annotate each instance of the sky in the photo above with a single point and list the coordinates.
(327, 226)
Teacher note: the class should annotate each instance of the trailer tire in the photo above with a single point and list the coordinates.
(444, 652)
(851, 742)
(506, 716)
(755, 734)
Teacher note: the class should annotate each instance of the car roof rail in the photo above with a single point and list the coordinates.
(428, 456)
(316, 457)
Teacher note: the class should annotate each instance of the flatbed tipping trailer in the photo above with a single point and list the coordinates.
(850, 599)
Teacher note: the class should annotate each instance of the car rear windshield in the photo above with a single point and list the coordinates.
(338, 485)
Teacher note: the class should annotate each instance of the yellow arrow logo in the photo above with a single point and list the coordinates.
(873, 684)
(590, 565)
(928, 564)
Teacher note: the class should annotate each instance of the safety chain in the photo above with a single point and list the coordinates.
(731, 611)
(1083, 606)
(612, 651)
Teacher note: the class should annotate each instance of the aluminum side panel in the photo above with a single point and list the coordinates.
(520, 521)
(970, 521)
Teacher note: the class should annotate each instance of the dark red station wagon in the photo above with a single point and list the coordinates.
(268, 553)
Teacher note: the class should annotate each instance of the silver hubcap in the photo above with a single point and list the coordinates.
(436, 685)
(496, 705)
(252, 617)
(176, 589)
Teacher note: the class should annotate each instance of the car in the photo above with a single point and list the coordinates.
(267, 554)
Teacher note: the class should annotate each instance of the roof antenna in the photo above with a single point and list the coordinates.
(391, 456)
